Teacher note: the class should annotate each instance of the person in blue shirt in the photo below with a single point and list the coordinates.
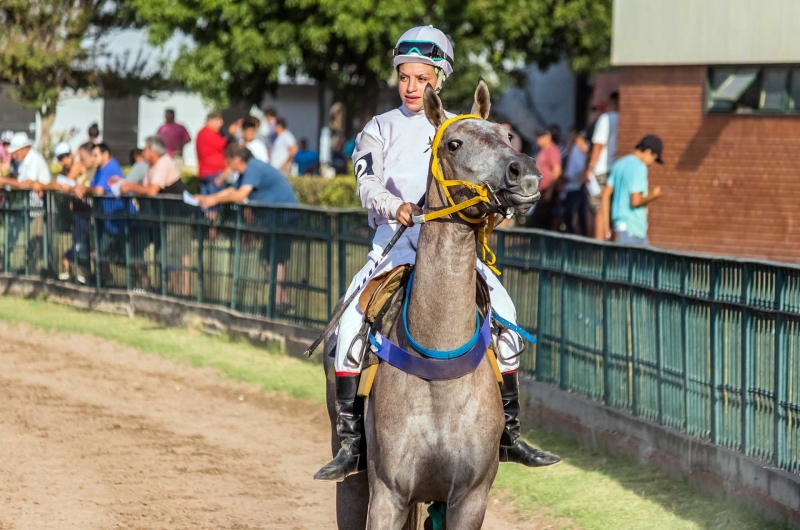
(258, 183)
(261, 184)
(306, 159)
(627, 192)
(112, 239)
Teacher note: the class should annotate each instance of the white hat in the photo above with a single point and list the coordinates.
(18, 141)
(441, 58)
(6, 136)
(61, 149)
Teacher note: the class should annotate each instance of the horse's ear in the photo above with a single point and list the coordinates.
(433, 107)
(482, 103)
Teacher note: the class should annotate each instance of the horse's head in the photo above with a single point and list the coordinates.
(480, 152)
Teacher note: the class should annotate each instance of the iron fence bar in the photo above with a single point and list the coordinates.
(200, 255)
(659, 359)
(273, 273)
(329, 267)
(127, 232)
(27, 217)
(633, 379)
(162, 233)
(780, 378)
(606, 360)
(715, 364)
(745, 362)
(237, 254)
(97, 249)
(562, 347)
(45, 239)
(6, 238)
(684, 340)
(540, 314)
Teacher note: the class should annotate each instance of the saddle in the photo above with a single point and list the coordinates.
(381, 302)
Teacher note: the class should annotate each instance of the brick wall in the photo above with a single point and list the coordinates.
(732, 183)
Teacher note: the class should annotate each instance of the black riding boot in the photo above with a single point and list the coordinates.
(512, 447)
(351, 458)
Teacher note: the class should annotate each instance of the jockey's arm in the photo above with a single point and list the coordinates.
(368, 167)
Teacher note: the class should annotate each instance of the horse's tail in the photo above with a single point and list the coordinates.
(416, 517)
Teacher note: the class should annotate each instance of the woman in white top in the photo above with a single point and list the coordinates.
(391, 163)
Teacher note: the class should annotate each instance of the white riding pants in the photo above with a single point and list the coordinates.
(349, 349)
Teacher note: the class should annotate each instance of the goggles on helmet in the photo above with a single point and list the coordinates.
(423, 49)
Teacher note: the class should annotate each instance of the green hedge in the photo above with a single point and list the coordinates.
(316, 191)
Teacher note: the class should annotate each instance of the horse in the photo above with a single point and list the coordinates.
(432, 440)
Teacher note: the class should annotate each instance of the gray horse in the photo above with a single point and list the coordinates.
(438, 440)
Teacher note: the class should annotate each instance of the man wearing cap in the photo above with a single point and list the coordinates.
(33, 171)
(629, 187)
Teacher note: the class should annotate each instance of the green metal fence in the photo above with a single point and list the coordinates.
(704, 345)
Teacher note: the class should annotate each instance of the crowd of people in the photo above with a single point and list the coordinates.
(587, 189)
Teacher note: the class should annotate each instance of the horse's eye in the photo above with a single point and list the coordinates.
(510, 137)
(454, 144)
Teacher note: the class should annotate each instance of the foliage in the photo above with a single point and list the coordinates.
(588, 491)
(319, 191)
(242, 44)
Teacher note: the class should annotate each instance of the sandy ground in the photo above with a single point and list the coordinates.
(94, 435)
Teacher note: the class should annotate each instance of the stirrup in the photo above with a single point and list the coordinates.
(342, 466)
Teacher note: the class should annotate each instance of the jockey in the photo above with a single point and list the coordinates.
(391, 161)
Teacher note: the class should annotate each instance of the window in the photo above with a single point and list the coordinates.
(745, 90)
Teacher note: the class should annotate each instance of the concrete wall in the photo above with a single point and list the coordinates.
(548, 97)
(190, 111)
(74, 114)
(771, 491)
(731, 182)
(662, 32)
(299, 104)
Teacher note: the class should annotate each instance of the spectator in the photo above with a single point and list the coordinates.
(629, 187)
(210, 144)
(575, 202)
(254, 144)
(258, 183)
(270, 118)
(138, 169)
(94, 134)
(174, 134)
(555, 133)
(5, 156)
(33, 171)
(604, 154)
(107, 167)
(162, 176)
(87, 161)
(548, 160)
(284, 148)
(70, 168)
(307, 159)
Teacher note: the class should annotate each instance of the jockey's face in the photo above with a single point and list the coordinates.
(413, 78)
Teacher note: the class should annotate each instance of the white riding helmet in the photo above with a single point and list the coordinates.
(426, 45)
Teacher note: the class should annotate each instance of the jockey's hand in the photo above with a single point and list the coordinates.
(404, 213)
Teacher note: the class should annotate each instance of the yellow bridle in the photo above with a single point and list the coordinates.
(485, 225)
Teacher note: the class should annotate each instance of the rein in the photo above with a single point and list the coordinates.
(484, 225)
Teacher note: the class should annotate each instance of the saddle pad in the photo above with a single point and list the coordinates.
(380, 289)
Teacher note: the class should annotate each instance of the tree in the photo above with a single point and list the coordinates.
(42, 50)
(240, 45)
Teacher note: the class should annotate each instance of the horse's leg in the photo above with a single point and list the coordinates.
(386, 510)
(468, 511)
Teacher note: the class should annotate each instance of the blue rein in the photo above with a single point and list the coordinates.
(438, 354)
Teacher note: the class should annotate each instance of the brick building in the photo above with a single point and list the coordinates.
(719, 81)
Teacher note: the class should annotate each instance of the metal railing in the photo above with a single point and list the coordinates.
(705, 345)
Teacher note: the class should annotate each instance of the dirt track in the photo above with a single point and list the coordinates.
(95, 435)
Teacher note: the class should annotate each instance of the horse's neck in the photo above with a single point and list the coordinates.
(441, 308)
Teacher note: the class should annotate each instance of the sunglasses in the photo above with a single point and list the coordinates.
(423, 49)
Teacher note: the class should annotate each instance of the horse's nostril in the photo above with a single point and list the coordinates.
(514, 170)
